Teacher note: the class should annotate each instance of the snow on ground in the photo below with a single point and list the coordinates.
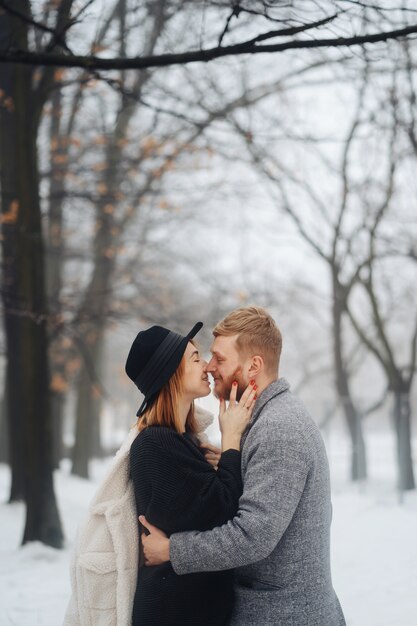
(374, 551)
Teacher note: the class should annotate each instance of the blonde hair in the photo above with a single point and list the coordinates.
(164, 409)
(256, 333)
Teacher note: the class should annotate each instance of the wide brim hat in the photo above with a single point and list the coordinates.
(154, 356)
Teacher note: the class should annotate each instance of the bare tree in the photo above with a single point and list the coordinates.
(24, 295)
(386, 248)
(348, 238)
(331, 252)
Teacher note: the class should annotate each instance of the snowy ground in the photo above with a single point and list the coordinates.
(374, 552)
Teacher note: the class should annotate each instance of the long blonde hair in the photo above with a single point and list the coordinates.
(164, 410)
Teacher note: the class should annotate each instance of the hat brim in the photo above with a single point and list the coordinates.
(169, 368)
(197, 327)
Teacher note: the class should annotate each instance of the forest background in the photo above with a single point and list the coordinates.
(165, 161)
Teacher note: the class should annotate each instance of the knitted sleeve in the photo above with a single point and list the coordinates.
(186, 491)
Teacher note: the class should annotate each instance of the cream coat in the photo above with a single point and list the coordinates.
(104, 563)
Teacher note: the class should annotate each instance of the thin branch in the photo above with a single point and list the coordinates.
(45, 83)
(365, 339)
(377, 405)
(235, 13)
(259, 160)
(345, 160)
(31, 22)
(293, 30)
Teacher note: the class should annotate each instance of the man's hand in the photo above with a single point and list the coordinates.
(155, 545)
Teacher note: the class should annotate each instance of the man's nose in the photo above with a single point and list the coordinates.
(210, 367)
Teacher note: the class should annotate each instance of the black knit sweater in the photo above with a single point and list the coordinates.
(178, 490)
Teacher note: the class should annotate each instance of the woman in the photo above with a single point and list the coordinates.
(176, 488)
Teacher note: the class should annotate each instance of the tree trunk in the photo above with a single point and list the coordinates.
(57, 415)
(4, 430)
(81, 452)
(27, 358)
(93, 311)
(9, 292)
(55, 256)
(42, 521)
(88, 408)
(358, 469)
(13, 399)
(402, 421)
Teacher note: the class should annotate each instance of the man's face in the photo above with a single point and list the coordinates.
(226, 365)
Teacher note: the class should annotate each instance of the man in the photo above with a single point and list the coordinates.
(279, 541)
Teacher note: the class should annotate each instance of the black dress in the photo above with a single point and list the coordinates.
(178, 490)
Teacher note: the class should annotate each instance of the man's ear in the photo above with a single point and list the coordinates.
(256, 366)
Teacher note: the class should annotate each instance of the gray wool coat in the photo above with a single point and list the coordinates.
(279, 541)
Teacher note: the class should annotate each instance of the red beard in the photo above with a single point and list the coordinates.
(223, 391)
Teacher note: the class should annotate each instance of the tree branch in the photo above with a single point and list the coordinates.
(31, 22)
(165, 60)
(367, 340)
(292, 30)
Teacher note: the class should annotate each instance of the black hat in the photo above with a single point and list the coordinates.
(153, 358)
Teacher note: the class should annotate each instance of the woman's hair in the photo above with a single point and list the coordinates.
(256, 333)
(164, 409)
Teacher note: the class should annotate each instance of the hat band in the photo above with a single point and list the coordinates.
(161, 355)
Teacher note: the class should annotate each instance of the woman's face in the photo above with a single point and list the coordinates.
(196, 383)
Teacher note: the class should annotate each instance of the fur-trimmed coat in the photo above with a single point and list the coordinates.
(104, 563)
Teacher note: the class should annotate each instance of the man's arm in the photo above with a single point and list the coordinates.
(273, 483)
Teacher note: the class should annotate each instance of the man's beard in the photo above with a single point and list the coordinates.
(226, 385)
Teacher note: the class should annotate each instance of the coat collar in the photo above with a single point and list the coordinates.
(273, 390)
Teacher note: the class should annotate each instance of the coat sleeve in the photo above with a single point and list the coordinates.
(274, 480)
(187, 493)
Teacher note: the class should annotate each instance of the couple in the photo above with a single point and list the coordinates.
(246, 542)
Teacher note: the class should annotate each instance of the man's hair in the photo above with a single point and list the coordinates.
(256, 333)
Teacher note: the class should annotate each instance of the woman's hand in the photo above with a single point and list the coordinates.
(212, 454)
(234, 420)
